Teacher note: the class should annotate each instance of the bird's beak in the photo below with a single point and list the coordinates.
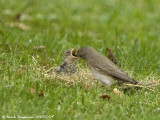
(74, 52)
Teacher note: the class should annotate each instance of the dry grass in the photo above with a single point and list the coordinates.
(84, 78)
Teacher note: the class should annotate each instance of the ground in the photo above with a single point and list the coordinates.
(34, 35)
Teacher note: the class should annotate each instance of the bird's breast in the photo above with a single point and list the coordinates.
(103, 78)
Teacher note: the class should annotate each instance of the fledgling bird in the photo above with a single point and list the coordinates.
(68, 66)
(102, 68)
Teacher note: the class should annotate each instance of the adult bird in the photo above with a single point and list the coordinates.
(102, 68)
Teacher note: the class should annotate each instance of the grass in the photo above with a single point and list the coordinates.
(129, 27)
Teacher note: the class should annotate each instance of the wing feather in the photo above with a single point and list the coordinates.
(108, 67)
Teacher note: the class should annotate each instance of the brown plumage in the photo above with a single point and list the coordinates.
(102, 68)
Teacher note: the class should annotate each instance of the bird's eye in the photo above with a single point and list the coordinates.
(68, 52)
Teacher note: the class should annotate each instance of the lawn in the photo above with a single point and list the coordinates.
(35, 33)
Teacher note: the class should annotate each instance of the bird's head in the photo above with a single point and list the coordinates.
(83, 52)
(69, 55)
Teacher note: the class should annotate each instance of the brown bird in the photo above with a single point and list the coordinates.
(102, 68)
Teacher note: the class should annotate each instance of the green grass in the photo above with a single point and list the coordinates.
(129, 27)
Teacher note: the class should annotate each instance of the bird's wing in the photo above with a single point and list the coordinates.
(108, 67)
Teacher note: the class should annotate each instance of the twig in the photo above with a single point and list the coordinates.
(140, 86)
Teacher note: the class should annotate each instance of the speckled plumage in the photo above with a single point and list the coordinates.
(68, 66)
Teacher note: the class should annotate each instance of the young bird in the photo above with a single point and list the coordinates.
(68, 66)
(102, 68)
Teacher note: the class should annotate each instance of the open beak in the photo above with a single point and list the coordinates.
(74, 52)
